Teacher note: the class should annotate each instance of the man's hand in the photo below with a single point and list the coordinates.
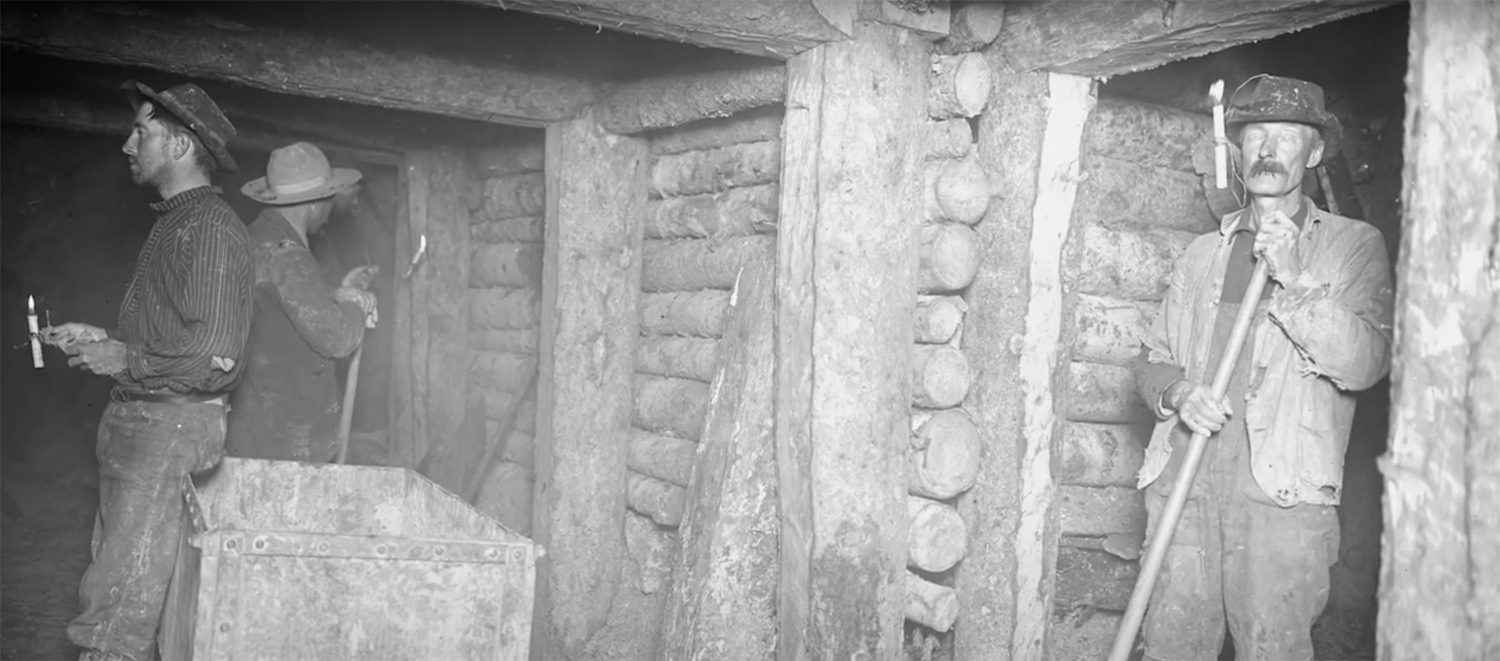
(365, 300)
(105, 358)
(72, 333)
(1196, 408)
(360, 277)
(1276, 242)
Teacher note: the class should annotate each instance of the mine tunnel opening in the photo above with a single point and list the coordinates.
(1361, 62)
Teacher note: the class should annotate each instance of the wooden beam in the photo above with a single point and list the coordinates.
(667, 101)
(767, 28)
(1440, 588)
(591, 290)
(850, 204)
(1111, 37)
(285, 59)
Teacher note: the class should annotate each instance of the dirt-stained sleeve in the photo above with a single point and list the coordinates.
(331, 327)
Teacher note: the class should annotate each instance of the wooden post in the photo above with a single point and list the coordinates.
(403, 436)
(1440, 586)
(850, 211)
(591, 289)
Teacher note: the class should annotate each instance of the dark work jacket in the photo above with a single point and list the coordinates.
(287, 406)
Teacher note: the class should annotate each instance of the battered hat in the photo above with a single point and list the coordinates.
(297, 173)
(1275, 99)
(191, 106)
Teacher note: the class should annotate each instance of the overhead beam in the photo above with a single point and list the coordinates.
(485, 87)
(768, 28)
(1111, 37)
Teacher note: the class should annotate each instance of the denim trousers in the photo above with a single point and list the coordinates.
(147, 451)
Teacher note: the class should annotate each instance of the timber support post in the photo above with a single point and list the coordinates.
(591, 291)
(851, 213)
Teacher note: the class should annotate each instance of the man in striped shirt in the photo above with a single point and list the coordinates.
(176, 352)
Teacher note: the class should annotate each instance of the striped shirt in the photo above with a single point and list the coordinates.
(186, 313)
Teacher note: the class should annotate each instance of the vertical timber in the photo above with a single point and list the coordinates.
(402, 437)
(452, 447)
(846, 288)
(591, 289)
(1439, 586)
(418, 170)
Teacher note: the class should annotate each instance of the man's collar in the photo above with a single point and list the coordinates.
(273, 215)
(1243, 220)
(184, 198)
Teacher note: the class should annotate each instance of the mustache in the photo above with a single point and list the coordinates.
(1267, 167)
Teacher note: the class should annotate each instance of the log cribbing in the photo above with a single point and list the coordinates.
(662, 501)
(1102, 455)
(504, 308)
(1115, 192)
(929, 604)
(957, 190)
(939, 318)
(1145, 134)
(1109, 330)
(515, 196)
(506, 496)
(959, 86)
(516, 230)
(949, 258)
(693, 264)
(972, 25)
(496, 403)
(713, 170)
(681, 357)
(688, 314)
(526, 416)
(949, 139)
(509, 160)
(938, 538)
(514, 265)
(666, 458)
(501, 372)
(1125, 263)
(735, 212)
(667, 101)
(665, 405)
(945, 460)
(940, 376)
(1093, 511)
(723, 600)
(516, 341)
(757, 125)
(520, 448)
(1104, 393)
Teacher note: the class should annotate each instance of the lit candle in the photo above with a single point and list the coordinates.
(36, 341)
(1221, 146)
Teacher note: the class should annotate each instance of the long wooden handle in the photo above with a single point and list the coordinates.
(346, 416)
(1156, 552)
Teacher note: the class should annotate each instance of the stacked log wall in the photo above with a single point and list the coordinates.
(1139, 205)
(505, 290)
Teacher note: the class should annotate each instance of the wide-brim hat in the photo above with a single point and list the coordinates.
(193, 107)
(1276, 99)
(299, 173)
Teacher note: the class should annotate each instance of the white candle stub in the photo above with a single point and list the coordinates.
(1221, 147)
(36, 337)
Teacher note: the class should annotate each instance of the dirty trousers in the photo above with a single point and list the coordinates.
(146, 451)
(1236, 557)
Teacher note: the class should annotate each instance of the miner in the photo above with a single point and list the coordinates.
(175, 352)
(1260, 527)
(287, 408)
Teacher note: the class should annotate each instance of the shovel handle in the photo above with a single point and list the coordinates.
(346, 416)
(1156, 551)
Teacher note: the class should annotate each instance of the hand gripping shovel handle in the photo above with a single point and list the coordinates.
(1156, 551)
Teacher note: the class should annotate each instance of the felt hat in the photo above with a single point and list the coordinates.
(191, 106)
(298, 173)
(1267, 98)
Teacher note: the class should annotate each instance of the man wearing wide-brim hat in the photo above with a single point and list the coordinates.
(1260, 527)
(174, 353)
(287, 406)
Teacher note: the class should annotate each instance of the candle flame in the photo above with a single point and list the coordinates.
(30, 305)
(1216, 92)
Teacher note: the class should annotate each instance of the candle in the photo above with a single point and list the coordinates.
(36, 342)
(1221, 146)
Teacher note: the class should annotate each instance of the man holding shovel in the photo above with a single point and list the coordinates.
(288, 405)
(1259, 528)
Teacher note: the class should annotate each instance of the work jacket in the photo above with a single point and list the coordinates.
(288, 405)
(1323, 337)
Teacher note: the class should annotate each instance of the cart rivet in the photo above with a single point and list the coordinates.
(516, 555)
(229, 544)
(260, 543)
(437, 551)
(380, 549)
(323, 547)
(491, 553)
(224, 626)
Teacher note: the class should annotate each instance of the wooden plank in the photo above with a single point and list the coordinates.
(693, 264)
(1117, 192)
(1103, 393)
(1439, 583)
(723, 599)
(591, 288)
(714, 170)
(1101, 455)
(419, 194)
(674, 100)
(1131, 264)
(735, 212)
(403, 436)
(1100, 511)
(757, 125)
(861, 200)
(1145, 134)
(766, 28)
(1109, 330)
(1009, 146)
(196, 43)
(1094, 578)
(1109, 37)
(666, 458)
